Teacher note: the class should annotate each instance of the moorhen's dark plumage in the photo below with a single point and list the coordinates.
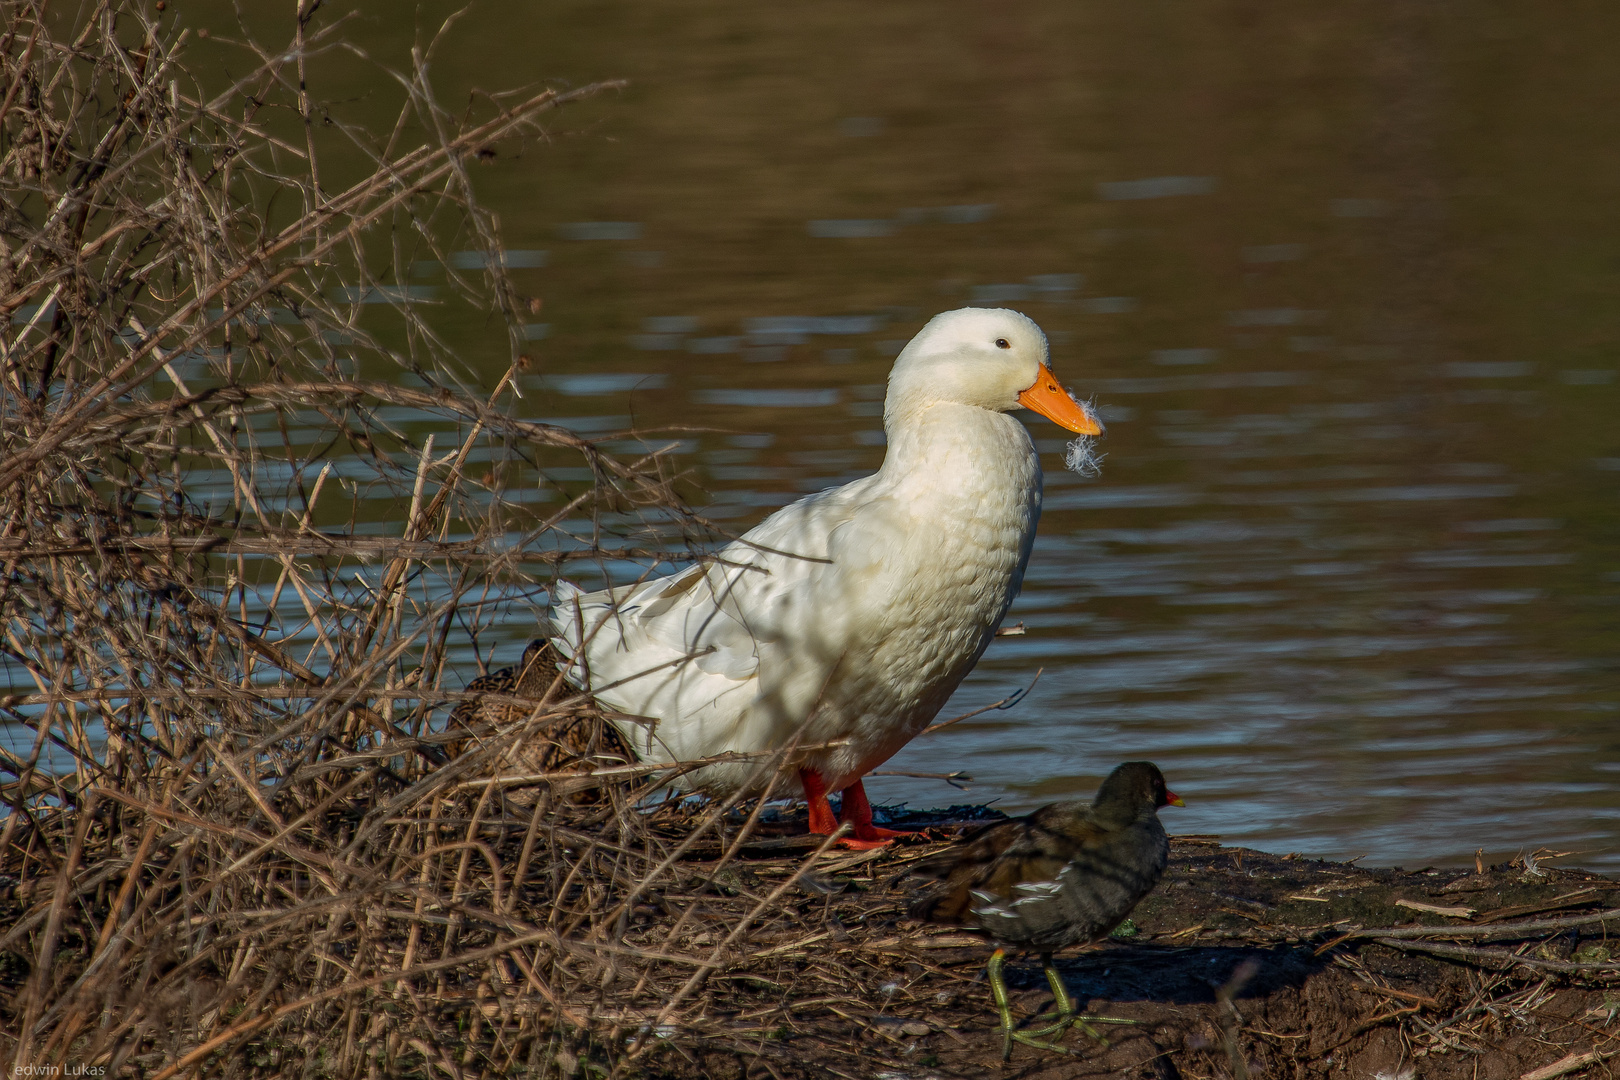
(1067, 874)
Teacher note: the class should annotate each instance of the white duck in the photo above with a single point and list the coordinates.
(851, 615)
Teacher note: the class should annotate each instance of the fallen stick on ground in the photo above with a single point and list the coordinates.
(1500, 959)
(1569, 1063)
(1498, 931)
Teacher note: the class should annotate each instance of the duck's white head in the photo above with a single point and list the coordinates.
(992, 358)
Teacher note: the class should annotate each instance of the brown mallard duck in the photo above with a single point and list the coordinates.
(1067, 874)
(568, 743)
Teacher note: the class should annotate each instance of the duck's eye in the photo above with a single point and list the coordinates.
(1003, 343)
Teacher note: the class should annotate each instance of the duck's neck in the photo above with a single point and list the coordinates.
(960, 448)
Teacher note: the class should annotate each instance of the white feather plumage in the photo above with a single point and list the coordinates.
(851, 615)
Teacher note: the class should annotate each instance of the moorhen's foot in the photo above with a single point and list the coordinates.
(1029, 1039)
(1083, 1022)
(1065, 1013)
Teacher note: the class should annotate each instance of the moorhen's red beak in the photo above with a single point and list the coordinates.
(1172, 799)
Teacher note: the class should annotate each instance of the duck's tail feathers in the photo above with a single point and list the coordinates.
(560, 625)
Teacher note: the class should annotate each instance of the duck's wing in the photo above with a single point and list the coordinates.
(656, 649)
(733, 652)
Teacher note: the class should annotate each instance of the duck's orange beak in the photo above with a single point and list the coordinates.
(1048, 398)
(1172, 799)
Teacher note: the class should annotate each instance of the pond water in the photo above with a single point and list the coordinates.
(1342, 281)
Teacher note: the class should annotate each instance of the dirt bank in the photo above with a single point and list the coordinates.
(584, 950)
(1240, 964)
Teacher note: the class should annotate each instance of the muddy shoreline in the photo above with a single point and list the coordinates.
(1240, 964)
(766, 959)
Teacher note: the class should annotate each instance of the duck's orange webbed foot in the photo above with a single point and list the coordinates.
(858, 812)
(853, 844)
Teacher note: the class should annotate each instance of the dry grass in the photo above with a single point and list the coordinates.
(232, 841)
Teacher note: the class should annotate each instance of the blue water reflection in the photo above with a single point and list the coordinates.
(1349, 573)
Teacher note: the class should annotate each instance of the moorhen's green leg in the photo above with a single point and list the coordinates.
(998, 990)
(1066, 1012)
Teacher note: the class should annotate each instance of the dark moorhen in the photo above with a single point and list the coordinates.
(1067, 874)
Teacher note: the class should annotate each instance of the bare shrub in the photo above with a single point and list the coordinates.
(233, 840)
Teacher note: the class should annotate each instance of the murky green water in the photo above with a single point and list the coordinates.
(1345, 283)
